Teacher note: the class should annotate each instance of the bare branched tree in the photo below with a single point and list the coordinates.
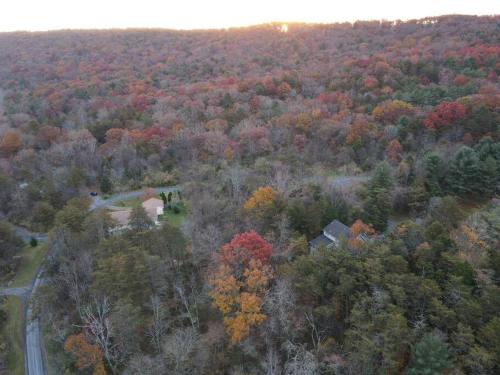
(158, 328)
(236, 177)
(279, 304)
(98, 324)
(73, 274)
(300, 361)
(188, 302)
(178, 349)
(316, 333)
(145, 365)
(272, 362)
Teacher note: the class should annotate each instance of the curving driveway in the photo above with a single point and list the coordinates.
(98, 202)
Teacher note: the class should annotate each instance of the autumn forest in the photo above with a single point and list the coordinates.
(258, 143)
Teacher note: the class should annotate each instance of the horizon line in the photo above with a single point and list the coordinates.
(247, 26)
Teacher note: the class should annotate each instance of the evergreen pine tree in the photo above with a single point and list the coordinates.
(430, 357)
(381, 178)
(433, 174)
(105, 184)
(33, 242)
(465, 177)
(163, 197)
(378, 205)
(417, 197)
(378, 208)
(489, 176)
(486, 147)
(490, 339)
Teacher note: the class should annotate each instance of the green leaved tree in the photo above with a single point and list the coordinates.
(465, 177)
(430, 357)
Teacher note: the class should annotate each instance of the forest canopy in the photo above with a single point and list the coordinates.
(385, 131)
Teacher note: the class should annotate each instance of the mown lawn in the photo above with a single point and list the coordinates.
(175, 219)
(31, 258)
(131, 203)
(12, 332)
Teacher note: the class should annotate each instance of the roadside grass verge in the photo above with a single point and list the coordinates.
(53, 352)
(12, 333)
(31, 258)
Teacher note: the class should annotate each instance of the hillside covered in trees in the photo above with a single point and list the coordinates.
(391, 128)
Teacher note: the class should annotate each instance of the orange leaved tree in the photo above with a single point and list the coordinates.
(88, 355)
(393, 150)
(358, 229)
(240, 282)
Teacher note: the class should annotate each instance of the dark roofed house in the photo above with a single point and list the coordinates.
(332, 235)
(321, 240)
(336, 231)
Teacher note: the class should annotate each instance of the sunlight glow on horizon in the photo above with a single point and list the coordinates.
(41, 15)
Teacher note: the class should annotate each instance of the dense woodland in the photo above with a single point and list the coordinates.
(255, 125)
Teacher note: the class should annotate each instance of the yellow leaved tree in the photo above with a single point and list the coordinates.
(261, 200)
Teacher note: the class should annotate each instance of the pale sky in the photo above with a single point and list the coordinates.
(37, 15)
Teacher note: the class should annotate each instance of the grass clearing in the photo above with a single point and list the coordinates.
(12, 333)
(175, 219)
(130, 203)
(31, 258)
(469, 207)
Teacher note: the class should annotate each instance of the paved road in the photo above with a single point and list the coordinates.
(34, 364)
(18, 292)
(33, 353)
(347, 181)
(33, 350)
(34, 359)
(26, 235)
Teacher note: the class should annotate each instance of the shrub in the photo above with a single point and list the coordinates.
(33, 242)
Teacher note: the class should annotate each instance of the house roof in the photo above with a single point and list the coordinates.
(337, 229)
(151, 206)
(153, 202)
(321, 240)
(121, 217)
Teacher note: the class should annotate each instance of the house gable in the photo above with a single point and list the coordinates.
(336, 231)
(333, 233)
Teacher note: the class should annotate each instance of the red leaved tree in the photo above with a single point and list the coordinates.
(241, 282)
(445, 114)
(244, 247)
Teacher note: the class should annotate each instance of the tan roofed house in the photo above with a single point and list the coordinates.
(154, 208)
